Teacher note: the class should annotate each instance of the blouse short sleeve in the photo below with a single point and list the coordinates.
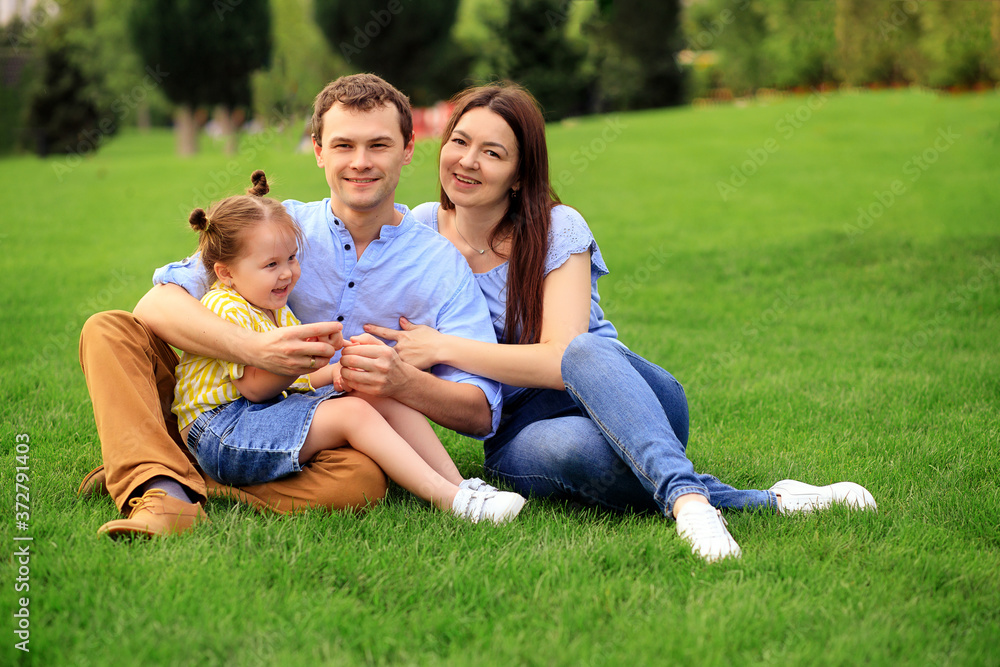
(570, 235)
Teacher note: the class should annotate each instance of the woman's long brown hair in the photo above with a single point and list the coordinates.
(528, 216)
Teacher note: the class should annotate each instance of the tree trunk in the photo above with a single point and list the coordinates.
(185, 130)
(227, 121)
(143, 118)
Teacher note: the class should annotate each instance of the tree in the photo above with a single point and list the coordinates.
(961, 43)
(302, 63)
(800, 45)
(204, 52)
(740, 29)
(408, 44)
(872, 37)
(133, 94)
(645, 37)
(68, 111)
(538, 54)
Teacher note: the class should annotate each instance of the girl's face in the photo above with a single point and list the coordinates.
(479, 160)
(267, 269)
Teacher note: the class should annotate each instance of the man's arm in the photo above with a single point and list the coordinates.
(182, 321)
(374, 368)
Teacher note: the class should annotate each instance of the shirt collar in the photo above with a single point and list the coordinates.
(236, 296)
(387, 231)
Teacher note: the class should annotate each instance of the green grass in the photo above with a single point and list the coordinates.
(808, 350)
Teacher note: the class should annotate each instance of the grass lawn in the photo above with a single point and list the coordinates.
(822, 273)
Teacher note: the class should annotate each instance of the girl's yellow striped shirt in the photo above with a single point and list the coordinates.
(204, 383)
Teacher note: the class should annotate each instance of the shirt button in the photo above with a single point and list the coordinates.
(340, 318)
(350, 284)
(347, 247)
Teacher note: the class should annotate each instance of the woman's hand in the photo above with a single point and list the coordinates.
(416, 344)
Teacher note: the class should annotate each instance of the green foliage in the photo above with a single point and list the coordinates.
(875, 40)
(735, 29)
(302, 63)
(766, 43)
(69, 109)
(131, 92)
(474, 33)
(640, 42)
(408, 43)
(61, 116)
(785, 43)
(938, 44)
(538, 53)
(801, 43)
(957, 43)
(208, 50)
(19, 73)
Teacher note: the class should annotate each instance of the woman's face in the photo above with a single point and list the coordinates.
(479, 160)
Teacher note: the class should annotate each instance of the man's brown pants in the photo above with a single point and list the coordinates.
(130, 376)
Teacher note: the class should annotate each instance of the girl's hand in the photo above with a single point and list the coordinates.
(416, 344)
(338, 381)
(329, 374)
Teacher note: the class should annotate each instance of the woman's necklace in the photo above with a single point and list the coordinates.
(467, 240)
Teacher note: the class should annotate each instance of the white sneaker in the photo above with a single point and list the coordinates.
(704, 528)
(496, 506)
(802, 497)
(476, 484)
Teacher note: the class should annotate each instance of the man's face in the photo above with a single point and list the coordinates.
(362, 154)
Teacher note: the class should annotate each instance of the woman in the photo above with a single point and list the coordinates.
(584, 418)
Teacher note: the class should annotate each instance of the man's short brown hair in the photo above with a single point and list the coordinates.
(361, 92)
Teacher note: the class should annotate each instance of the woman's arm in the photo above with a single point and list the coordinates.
(565, 315)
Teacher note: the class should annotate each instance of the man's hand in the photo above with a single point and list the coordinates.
(369, 366)
(416, 344)
(335, 339)
(296, 350)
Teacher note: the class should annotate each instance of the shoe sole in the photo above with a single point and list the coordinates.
(853, 495)
(90, 487)
(850, 494)
(126, 533)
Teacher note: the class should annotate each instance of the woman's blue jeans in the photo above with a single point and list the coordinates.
(616, 438)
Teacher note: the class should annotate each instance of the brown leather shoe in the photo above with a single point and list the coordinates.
(155, 513)
(94, 484)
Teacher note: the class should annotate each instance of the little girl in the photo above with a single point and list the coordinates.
(245, 425)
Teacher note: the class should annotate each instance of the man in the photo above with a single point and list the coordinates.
(367, 260)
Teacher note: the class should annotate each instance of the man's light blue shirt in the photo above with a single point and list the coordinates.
(410, 270)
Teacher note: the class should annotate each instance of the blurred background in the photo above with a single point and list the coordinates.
(74, 73)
